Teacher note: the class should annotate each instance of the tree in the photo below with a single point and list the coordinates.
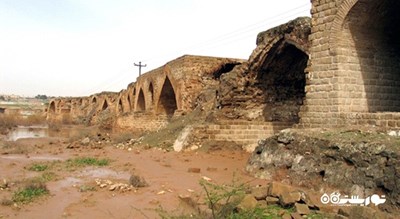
(41, 97)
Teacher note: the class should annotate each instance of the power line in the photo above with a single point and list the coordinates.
(236, 35)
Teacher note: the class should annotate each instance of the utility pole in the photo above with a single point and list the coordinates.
(140, 67)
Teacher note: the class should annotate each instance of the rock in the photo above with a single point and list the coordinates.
(296, 215)
(286, 216)
(357, 166)
(85, 141)
(188, 199)
(260, 193)
(272, 200)
(212, 169)
(302, 209)
(338, 216)
(361, 212)
(276, 189)
(345, 211)
(194, 170)
(113, 187)
(248, 203)
(289, 198)
(285, 136)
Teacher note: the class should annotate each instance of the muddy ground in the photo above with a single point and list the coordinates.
(74, 192)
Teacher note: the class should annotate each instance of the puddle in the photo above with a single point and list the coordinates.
(28, 132)
(103, 173)
(66, 182)
(19, 157)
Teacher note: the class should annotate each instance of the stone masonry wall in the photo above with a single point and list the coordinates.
(353, 72)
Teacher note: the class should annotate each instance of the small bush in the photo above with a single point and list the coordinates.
(32, 190)
(137, 181)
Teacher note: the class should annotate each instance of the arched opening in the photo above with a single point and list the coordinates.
(281, 79)
(94, 100)
(129, 102)
(120, 107)
(167, 102)
(105, 105)
(151, 92)
(52, 108)
(373, 39)
(141, 104)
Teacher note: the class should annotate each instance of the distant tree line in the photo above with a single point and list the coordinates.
(41, 97)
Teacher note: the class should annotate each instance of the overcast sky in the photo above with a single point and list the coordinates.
(81, 47)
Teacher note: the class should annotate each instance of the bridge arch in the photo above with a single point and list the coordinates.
(366, 42)
(52, 107)
(141, 103)
(167, 103)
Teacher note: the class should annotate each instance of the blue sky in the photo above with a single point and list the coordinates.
(81, 47)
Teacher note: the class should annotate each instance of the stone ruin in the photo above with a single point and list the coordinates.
(339, 68)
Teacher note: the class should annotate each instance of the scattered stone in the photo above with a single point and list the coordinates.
(276, 189)
(188, 199)
(194, 170)
(272, 200)
(296, 215)
(212, 169)
(85, 141)
(361, 212)
(286, 216)
(162, 192)
(302, 209)
(338, 216)
(289, 198)
(206, 178)
(260, 193)
(248, 203)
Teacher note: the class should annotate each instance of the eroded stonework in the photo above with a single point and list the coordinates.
(339, 68)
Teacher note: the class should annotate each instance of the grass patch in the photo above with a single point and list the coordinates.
(38, 167)
(86, 161)
(47, 177)
(32, 190)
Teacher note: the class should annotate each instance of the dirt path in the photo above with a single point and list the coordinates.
(167, 174)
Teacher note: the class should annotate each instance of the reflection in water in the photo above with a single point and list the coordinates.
(28, 132)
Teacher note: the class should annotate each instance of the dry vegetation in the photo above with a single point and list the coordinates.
(9, 121)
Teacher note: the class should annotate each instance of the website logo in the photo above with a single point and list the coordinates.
(336, 199)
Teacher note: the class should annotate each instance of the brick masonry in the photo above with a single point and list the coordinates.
(348, 64)
(353, 74)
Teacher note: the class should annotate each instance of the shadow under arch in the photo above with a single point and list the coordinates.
(373, 29)
(141, 103)
(167, 103)
(52, 107)
(281, 78)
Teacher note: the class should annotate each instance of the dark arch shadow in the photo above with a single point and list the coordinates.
(167, 101)
(282, 79)
(141, 104)
(374, 27)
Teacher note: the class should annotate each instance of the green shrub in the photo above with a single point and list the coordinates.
(32, 190)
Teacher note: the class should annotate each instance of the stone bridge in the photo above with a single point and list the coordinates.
(155, 96)
(341, 67)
